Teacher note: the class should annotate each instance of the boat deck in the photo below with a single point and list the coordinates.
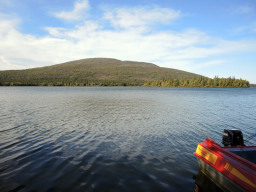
(248, 154)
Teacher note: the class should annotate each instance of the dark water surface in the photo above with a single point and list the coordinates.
(113, 138)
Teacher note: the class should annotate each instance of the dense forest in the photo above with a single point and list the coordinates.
(197, 82)
(200, 82)
(111, 72)
(92, 72)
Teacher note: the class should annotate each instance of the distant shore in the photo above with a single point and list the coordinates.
(195, 82)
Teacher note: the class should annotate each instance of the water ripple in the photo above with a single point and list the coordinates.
(112, 139)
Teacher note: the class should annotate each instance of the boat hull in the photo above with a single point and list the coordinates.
(228, 170)
(223, 182)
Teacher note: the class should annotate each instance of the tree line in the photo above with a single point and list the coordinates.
(195, 82)
(200, 82)
(71, 83)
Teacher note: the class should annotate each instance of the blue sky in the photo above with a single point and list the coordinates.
(205, 37)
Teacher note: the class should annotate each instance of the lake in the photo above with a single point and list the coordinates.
(113, 138)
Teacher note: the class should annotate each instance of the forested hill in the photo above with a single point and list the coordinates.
(90, 72)
(111, 72)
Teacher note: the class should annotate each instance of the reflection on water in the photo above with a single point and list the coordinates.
(112, 138)
(205, 184)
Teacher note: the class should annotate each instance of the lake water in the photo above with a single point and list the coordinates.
(113, 138)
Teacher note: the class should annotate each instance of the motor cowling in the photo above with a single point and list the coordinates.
(232, 138)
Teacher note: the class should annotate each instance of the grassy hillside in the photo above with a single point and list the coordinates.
(97, 71)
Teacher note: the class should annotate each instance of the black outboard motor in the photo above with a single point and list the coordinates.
(232, 138)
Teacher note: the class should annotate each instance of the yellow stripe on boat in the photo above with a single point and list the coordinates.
(206, 154)
(238, 174)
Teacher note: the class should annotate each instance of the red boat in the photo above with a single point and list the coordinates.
(233, 167)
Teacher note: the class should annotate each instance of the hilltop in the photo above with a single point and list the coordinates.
(94, 71)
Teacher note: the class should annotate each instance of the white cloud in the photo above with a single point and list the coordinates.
(7, 65)
(251, 28)
(168, 49)
(208, 63)
(77, 13)
(246, 9)
(182, 50)
(7, 23)
(140, 18)
(55, 31)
